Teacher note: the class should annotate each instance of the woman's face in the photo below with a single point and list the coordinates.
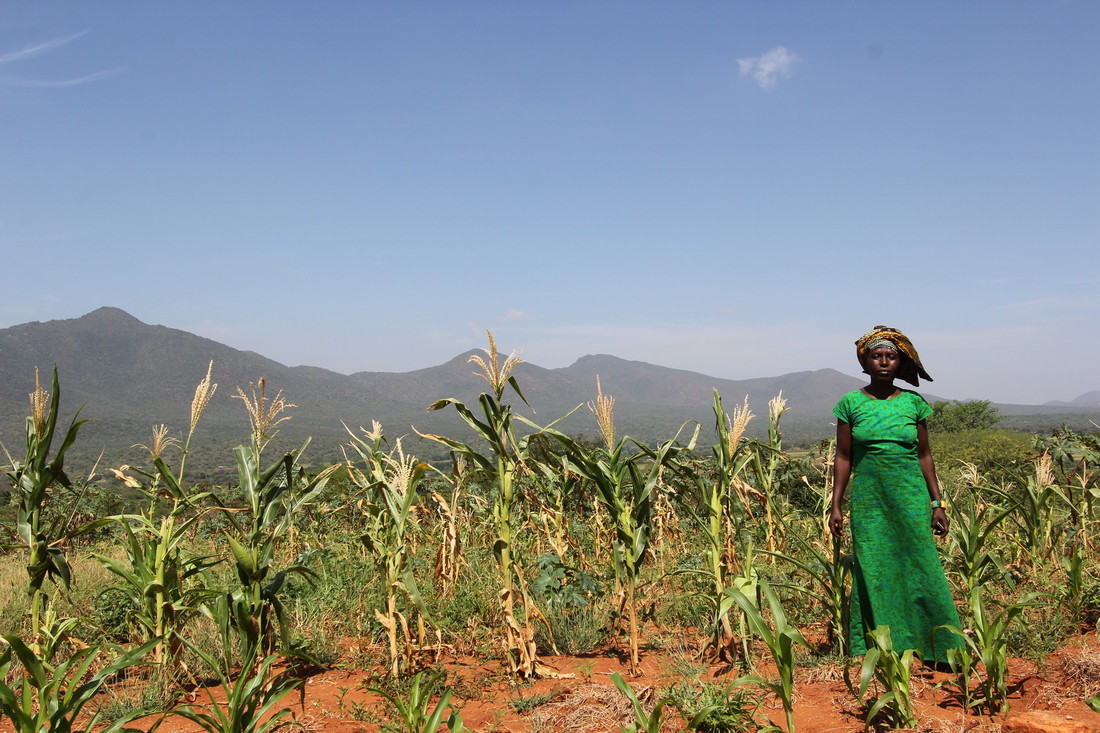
(882, 363)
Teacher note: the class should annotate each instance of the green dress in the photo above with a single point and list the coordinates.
(898, 580)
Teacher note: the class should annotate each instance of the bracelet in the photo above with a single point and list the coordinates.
(937, 504)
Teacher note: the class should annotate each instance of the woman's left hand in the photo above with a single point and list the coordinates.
(940, 522)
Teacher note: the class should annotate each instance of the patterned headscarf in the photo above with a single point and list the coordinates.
(911, 369)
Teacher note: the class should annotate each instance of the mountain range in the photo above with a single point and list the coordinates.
(130, 375)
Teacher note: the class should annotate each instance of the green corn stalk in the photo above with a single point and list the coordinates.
(273, 496)
(721, 501)
(626, 486)
(1074, 459)
(987, 643)
(415, 713)
(1041, 511)
(974, 560)
(829, 574)
(52, 697)
(508, 457)
(389, 482)
(643, 722)
(158, 577)
(780, 637)
(161, 576)
(964, 666)
(252, 699)
(892, 672)
(765, 461)
(32, 479)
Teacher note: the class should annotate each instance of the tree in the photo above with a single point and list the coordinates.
(955, 416)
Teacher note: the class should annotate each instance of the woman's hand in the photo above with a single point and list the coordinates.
(940, 522)
(836, 522)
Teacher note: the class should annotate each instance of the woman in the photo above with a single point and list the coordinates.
(882, 451)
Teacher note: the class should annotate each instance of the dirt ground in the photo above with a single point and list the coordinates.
(583, 698)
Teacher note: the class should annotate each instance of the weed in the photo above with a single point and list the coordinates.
(523, 704)
(712, 707)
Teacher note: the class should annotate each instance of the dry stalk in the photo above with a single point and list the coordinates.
(447, 557)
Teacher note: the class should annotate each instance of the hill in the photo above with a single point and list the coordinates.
(130, 375)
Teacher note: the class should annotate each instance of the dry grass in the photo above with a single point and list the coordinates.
(1081, 669)
(589, 708)
(89, 577)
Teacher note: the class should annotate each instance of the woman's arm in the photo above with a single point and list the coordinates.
(940, 523)
(842, 472)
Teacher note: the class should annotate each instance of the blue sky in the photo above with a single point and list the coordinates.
(735, 188)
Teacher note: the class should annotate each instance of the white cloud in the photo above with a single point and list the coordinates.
(59, 83)
(46, 47)
(770, 67)
(515, 315)
(38, 48)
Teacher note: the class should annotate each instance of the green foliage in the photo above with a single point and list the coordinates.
(780, 637)
(415, 712)
(388, 483)
(956, 416)
(568, 595)
(273, 496)
(829, 572)
(996, 455)
(626, 486)
(43, 468)
(986, 643)
(643, 722)
(711, 707)
(251, 700)
(975, 561)
(52, 697)
(892, 672)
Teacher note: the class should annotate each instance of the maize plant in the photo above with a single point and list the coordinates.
(986, 642)
(251, 700)
(830, 571)
(765, 461)
(389, 482)
(892, 672)
(626, 486)
(507, 458)
(32, 478)
(1075, 459)
(723, 495)
(51, 697)
(273, 495)
(415, 712)
(780, 637)
(1041, 511)
(161, 576)
(975, 561)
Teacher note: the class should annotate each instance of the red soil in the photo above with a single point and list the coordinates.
(584, 699)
